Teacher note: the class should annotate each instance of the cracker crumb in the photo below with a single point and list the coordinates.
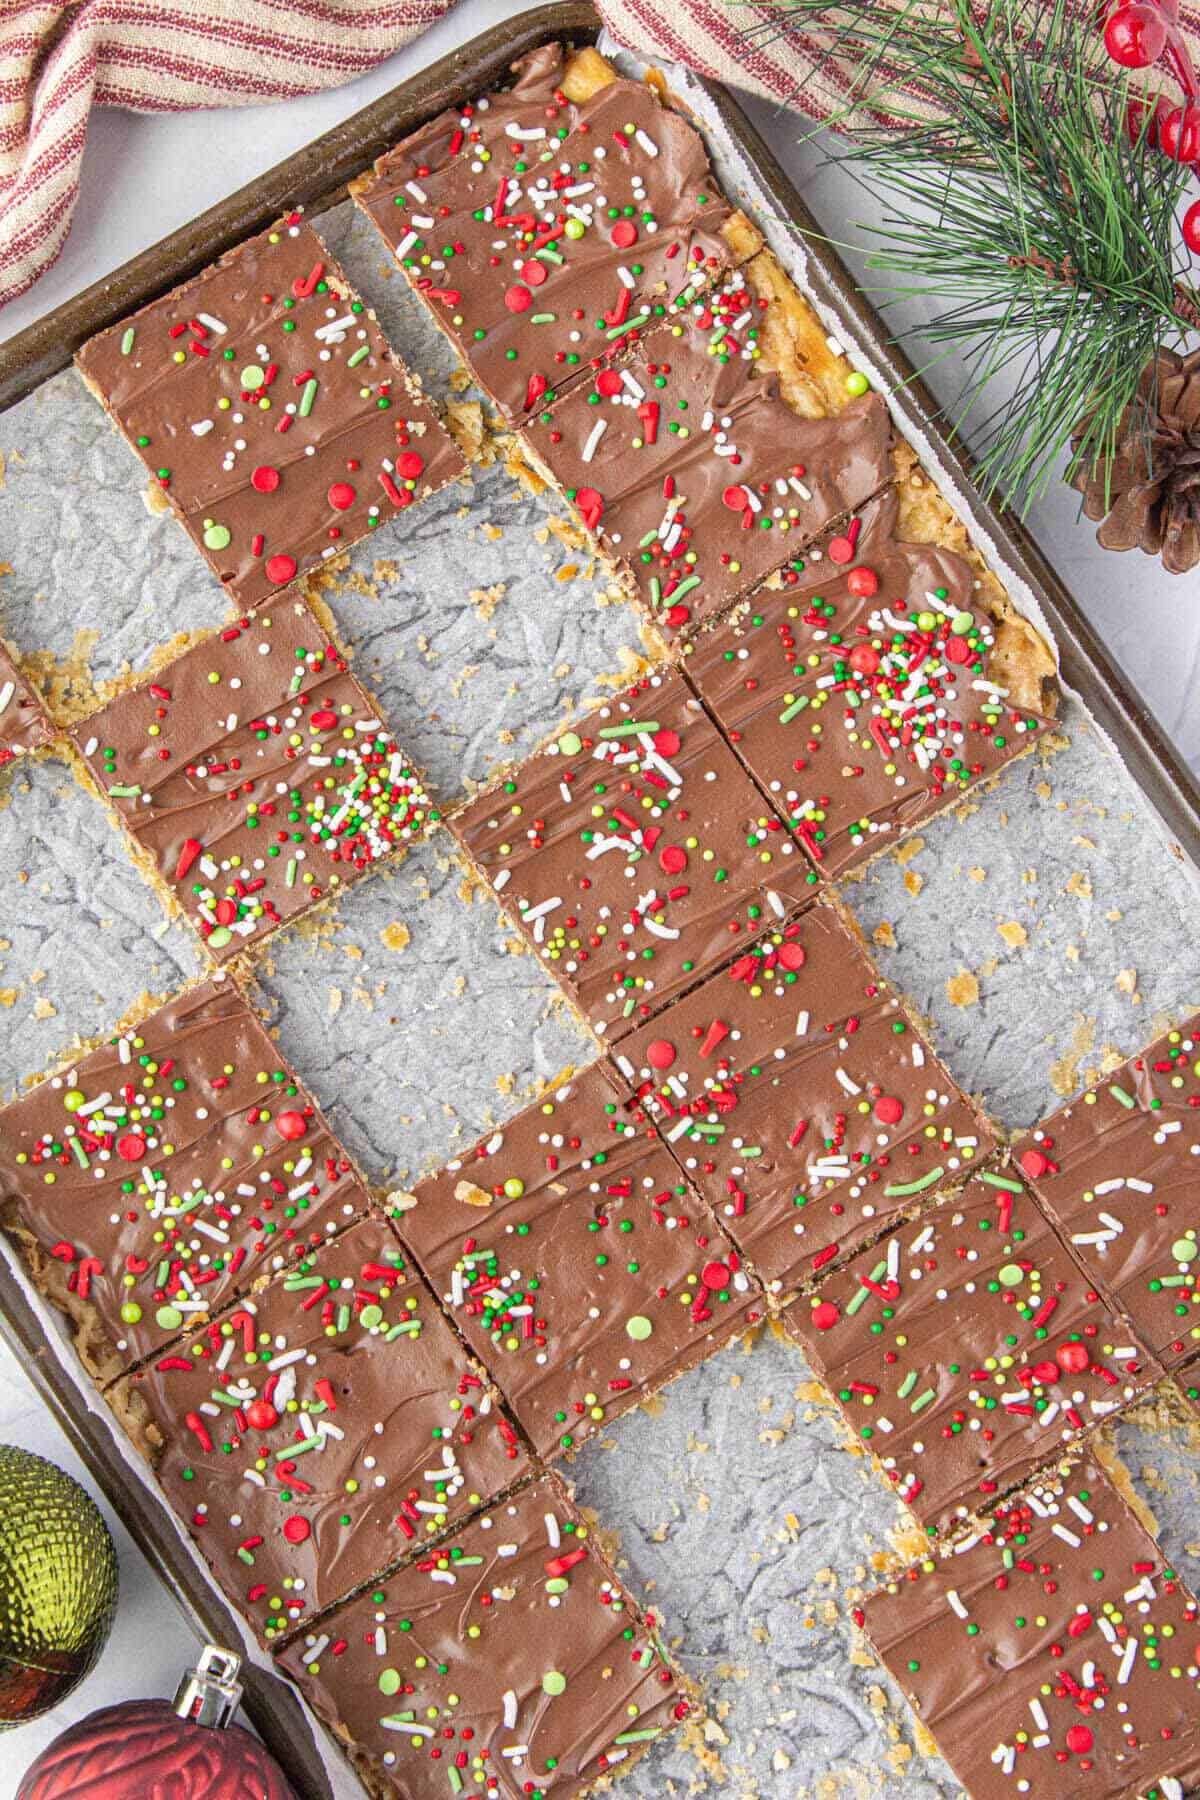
(396, 936)
(1064, 1072)
(471, 1194)
(962, 989)
(884, 935)
(1013, 933)
(904, 853)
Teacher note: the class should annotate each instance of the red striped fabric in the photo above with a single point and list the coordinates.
(59, 58)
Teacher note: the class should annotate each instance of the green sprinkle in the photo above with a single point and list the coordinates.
(899, 1189)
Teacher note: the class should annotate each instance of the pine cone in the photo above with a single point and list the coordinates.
(1153, 501)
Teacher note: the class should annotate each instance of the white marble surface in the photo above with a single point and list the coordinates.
(145, 176)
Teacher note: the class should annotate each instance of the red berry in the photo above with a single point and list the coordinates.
(1136, 35)
(1191, 227)
(1179, 133)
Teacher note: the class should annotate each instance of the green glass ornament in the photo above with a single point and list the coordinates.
(58, 1585)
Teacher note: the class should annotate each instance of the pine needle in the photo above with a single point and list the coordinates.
(994, 139)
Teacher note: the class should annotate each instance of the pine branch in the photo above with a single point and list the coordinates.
(994, 137)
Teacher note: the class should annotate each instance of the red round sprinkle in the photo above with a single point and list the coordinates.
(226, 912)
(863, 583)
(863, 659)
(518, 299)
(791, 956)
(624, 234)
(825, 1316)
(261, 1415)
(735, 498)
(291, 1125)
(534, 272)
(323, 720)
(660, 1054)
(1046, 1372)
(341, 496)
(715, 1275)
(958, 650)
(280, 568)
(131, 1147)
(673, 860)
(841, 550)
(410, 464)
(608, 382)
(1034, 1163)
(265, 479)
(1079, 1739)
(889, 1110)
(297, 1530)
(668, 743)
(1073, 1358)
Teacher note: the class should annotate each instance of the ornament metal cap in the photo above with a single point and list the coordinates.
(210, 1693)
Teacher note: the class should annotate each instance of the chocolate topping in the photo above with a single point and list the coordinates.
(861, 696)
(1116, 1169)
(263, 398)
(512, 1657)
(540, 230)
(577, 1262)
(966, 1348)
(155, 1178)
(24, 724)
(256, 775)
(690, 470)
(631, 852)
(328, 1426)
(800, 1100)
(1054, 1654)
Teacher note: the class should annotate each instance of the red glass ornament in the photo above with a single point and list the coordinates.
(146, 1747)
(1136, 35)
